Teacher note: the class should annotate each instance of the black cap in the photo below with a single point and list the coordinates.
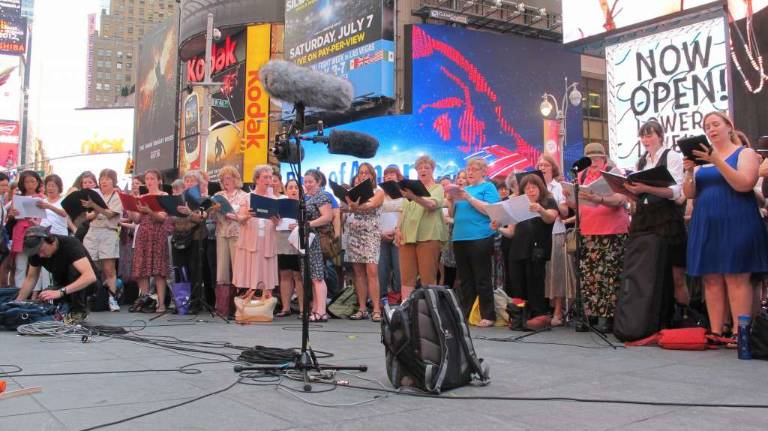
(33, 239)
(520, 175)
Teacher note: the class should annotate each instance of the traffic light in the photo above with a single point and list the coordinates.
(129, 166)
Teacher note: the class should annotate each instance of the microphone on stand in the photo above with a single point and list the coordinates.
(349, 143)
(581, 164)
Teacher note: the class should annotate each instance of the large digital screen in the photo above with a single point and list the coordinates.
(473, 93)
(353, 39)
(156, 99)
(675, 77)
(97, 139)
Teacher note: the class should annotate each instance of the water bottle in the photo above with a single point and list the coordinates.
(745, 327)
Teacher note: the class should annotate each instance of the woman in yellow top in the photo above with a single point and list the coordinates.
(421, 230)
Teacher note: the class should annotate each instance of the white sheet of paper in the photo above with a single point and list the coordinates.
(285, 222)
(27, 207)
(600, 187)
(571, 198)
(511, 211)
(293, 239)
(388, 221)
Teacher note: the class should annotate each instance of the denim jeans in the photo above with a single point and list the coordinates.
(389, 268)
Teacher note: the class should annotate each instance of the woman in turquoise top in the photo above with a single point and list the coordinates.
(473, 241)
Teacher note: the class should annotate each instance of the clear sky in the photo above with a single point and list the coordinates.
(57, 89)
(57, 80)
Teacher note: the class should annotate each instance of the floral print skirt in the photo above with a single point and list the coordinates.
(601, 264)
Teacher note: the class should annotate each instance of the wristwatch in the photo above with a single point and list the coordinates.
(63, 291)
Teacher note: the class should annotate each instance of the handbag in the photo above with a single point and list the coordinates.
(758, 339)
(249, 309)
(677, 339)
(224, 299)
(328, 243)
(181, 292)
(181, 240)
(518, 314)
(570, 240)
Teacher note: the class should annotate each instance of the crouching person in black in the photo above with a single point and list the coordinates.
(71, 269)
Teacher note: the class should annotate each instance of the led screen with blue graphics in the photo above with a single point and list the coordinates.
(472, 94)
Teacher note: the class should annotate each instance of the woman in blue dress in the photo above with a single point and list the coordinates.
(727, 240)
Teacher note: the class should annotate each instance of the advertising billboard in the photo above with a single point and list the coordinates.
(353, 39)
(9, 143)
(10, 7)
(224, 149)
(256, 124)
(228, 68)
(239, 133)
(156, 99)
(474, 94)
(13, 35)
(10, 88)
(675, 77)
(98, 139)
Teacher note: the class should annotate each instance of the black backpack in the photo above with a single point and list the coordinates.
(16, 313)
(427, 343)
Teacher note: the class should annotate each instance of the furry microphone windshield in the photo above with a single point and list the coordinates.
(300, 85)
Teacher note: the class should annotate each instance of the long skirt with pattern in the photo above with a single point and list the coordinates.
(150, 256)
(600, 266)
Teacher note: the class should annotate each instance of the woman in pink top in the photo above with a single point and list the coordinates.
(255, 262)
(604, 225)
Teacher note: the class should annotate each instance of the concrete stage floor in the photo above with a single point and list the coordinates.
(539, 366)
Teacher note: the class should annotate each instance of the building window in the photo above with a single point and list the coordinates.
(108, 64)
(99, 75)
(119, 66)
(119, 54)
(101, 52)
(109, 53)
(128, 66)
(107, 76)
(101, 63)
(106, 86)
(98, 85)
(594, 111)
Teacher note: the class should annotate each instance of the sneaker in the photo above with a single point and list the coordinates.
(113, 305)
(75, 317)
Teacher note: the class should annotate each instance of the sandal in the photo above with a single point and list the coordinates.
(485, 323)
(719, 340)
(284, 313)
(316, 317)
(361, 315)
(376, 316)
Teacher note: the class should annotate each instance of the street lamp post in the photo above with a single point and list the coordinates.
(205, 120)
(549, 102)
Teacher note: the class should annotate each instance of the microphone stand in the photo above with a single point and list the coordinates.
(582, 321)
(307, 360)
